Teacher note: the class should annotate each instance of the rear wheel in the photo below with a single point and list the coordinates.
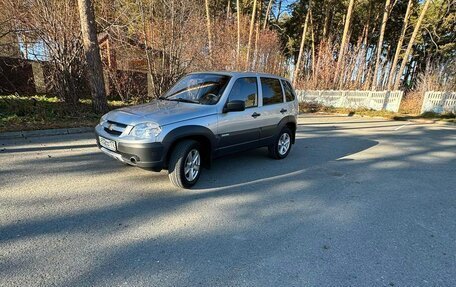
(184, 166)
(282, 144)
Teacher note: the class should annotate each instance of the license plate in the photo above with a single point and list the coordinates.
(109, 144)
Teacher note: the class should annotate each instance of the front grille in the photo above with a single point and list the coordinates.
(112, 132)
(118, 124)
(114, 128)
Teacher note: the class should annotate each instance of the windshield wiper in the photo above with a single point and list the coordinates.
(183, 100)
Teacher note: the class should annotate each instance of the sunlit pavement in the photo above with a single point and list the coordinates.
(358, 202)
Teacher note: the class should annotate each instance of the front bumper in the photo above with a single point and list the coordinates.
(144, 155)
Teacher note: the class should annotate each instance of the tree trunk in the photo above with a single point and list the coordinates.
(228, 9)
(238, 47)
(92, 52)
(255, 51)
(208, 25)
(301, 47)
(362, 54)
(279, 10)
(313, 45)
(399, 45)
(252, 21)
(146, 44)
(410, 45)
(266, 17)
(344, 38)
(328, 14)
(380, 43)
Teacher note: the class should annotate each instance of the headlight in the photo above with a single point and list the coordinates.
(146, 130)
(103, 119)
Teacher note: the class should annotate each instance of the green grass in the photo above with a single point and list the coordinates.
(40, 112)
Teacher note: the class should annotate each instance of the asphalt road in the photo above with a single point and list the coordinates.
(358, 202)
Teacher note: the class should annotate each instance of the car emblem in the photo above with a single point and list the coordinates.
(110, 127)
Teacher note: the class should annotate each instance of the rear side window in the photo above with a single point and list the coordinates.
(289, 94)
(245, 89)
(272, 91)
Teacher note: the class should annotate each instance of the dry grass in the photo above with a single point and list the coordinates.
(411, 103)
(314, 108)
(400, 116)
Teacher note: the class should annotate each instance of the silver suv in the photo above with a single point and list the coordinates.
(203, 116)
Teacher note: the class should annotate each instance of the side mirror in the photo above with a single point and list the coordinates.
(234, 106)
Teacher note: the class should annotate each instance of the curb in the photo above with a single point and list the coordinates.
(42, 133)
(445, 123)
(405, 119)
(431, 121)
(421, 121)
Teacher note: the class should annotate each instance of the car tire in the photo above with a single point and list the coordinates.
(277, 150)
(182, 173)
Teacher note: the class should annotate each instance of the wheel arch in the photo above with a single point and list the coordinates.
(290, 122)
(200, 134)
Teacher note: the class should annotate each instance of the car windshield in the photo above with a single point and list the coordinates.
(203, 89)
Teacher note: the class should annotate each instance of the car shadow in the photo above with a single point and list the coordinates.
(255, 164)
(242, 168)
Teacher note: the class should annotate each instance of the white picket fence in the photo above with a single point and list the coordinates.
(439, 102)
(382, 100)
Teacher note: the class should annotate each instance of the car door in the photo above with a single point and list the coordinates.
(291, 106)
(273, 107)
(239, 130)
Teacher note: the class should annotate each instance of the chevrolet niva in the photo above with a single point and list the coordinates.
(203, 116)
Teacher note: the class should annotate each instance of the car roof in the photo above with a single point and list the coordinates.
(241, 74)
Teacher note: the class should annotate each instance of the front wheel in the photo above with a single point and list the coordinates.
(282, 144)
(184, 166)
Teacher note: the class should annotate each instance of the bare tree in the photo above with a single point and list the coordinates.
(252, 22)
(55, 25)
(301, 47)
(380, 43)
(313, 44)
(344, 37)
(238, 47)
(92, 52)
(410, 44)
(266, 17)
(146, 43)
(328, 11)
(399, 45)
(208, 25)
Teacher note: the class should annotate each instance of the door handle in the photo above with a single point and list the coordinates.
(283, 111)
(255, 115)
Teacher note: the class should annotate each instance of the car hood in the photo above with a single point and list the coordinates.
(161, 112)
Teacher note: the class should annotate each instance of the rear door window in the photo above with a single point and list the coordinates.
(289, 93)
(272, 91)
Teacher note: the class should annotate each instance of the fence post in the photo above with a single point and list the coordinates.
(369, 100)
(342, 99)
(425, 99)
